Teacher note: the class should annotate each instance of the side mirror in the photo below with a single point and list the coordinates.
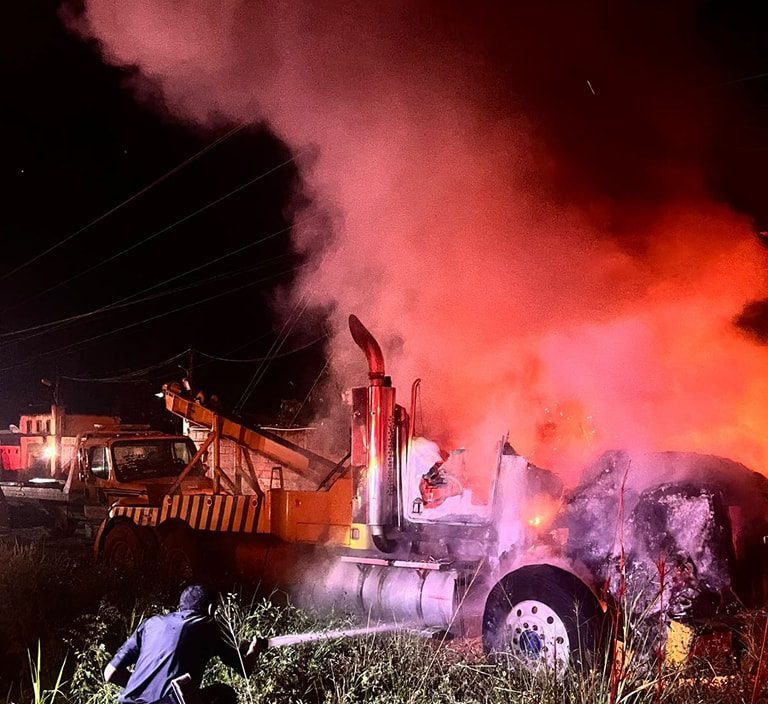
(82, 461)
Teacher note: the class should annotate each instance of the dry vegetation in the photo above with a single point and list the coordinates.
(61, 621)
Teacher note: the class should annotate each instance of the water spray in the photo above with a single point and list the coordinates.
(315, 636)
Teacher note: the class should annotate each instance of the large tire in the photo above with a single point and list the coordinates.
(180, 556)
(542, 617)
(127, 547)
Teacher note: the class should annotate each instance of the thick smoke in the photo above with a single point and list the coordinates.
(577, 300)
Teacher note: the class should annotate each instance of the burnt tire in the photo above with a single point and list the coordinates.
(127, 547)
(180, 557)
(540, 616)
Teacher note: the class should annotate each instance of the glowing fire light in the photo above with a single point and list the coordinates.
(500, 294)
(541, 511)
(49, 452)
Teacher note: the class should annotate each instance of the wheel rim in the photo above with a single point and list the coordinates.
(123, 556)
(178, 564)
(536, 635)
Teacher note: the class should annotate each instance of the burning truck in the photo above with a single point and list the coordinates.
(391, 533)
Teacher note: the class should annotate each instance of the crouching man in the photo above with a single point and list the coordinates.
(177, 647)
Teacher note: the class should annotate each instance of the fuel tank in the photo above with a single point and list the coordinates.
(405, 595)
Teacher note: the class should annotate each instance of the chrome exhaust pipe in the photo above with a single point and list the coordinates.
(367, 343)
(374, 466)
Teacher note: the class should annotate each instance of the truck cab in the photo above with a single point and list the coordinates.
(126, 463)
(111, 465)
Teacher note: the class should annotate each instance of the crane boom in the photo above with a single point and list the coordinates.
(302, 461)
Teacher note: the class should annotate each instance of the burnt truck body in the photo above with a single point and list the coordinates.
(392, 535)
(691, 530)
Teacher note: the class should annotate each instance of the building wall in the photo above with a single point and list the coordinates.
(42, 423)
(37, 435)
(38, 423)
(73, 425)
(10, 457)
(269, 473)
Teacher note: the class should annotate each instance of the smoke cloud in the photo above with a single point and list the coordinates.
(515, 205)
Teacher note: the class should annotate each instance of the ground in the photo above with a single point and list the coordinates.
(62, 617)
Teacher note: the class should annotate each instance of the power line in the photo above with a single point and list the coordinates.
(125, 376)
(253, 360)
(261, 370)
(311, 389)
(117, 377)
(274, 349)
(226, 255)
(80, 343)
(43, 328)
(128, 200)
(745, 79)
(235, 349)
(119, 302)
(152, 236)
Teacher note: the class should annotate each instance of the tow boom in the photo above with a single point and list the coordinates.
(304, 462)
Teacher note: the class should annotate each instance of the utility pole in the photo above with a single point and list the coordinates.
(56, 422)
(58, 412)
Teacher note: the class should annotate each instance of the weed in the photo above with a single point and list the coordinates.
(78, 616)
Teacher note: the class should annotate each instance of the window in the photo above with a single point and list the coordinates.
(162, 457)
(97, 461)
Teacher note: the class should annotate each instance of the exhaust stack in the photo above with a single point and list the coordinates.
(374, 446)
(367, 343)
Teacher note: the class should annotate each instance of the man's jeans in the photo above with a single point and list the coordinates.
(218, 693)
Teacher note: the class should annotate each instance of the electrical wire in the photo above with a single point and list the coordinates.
(756, 77)
(235, 349)
(271, 354)
(311, 389)
(152, 236)
(120, 375)
(253, 360)
(226, 255)
(43, 328)
(118, 303)
(216, 260)
(117, 377)
(67, 348)
(123, 203)
(280, 340)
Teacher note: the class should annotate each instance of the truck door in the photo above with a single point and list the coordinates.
(96, 460)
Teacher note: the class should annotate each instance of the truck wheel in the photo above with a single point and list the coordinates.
(179, 554)
(542, 617)
(126, 547)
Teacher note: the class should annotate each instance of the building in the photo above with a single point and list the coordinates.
(43, 444)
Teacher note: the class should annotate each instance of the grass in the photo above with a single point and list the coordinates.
(406, 669)
(61, 621)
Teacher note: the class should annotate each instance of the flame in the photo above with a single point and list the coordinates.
(440, 218)
(540, 512)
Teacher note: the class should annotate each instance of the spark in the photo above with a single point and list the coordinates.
(589, 84)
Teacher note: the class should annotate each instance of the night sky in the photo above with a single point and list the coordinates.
(77, 142)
